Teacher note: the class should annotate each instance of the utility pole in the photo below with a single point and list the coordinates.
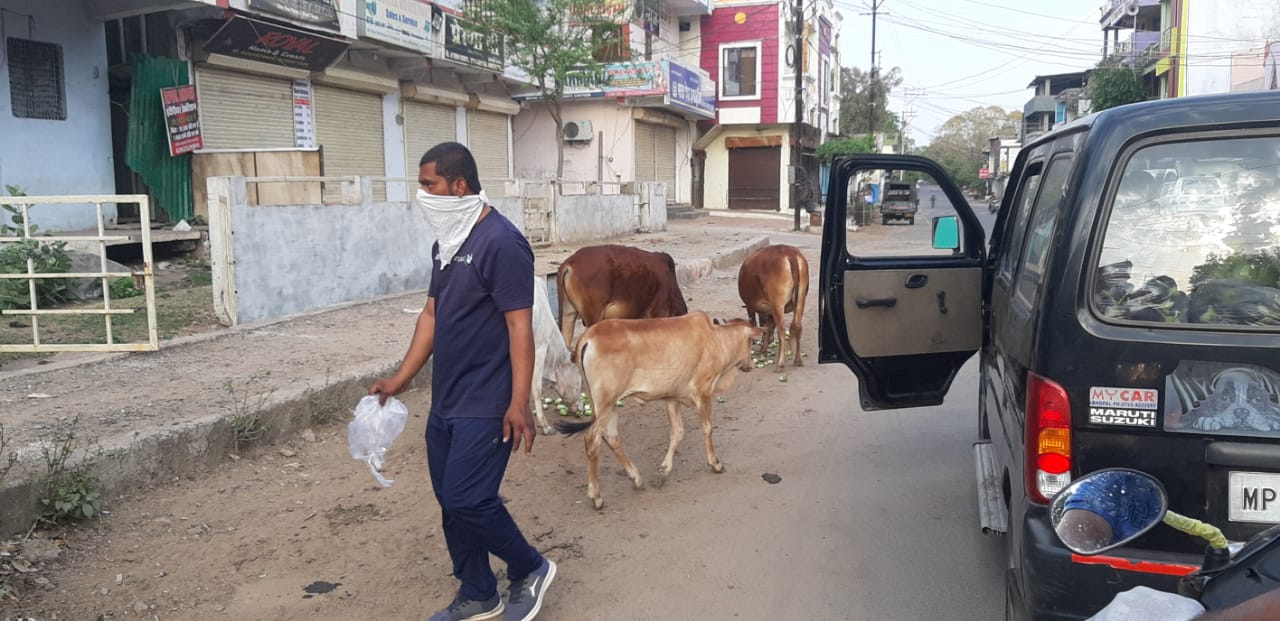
(797, 127)
(871, 122)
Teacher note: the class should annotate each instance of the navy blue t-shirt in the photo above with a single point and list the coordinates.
(492, 273)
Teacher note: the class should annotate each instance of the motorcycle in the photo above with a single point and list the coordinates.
(992, 204)
(1110, 508)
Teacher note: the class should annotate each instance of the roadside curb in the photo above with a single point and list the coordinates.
(192, 448)
(695, 269)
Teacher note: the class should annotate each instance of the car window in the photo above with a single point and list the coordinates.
(1018, 221)
(891, 214)
(1202, 249)
(1039, 231)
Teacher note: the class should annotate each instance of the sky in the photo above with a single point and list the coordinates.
(961, 54)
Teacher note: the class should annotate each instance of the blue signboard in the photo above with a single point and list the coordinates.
(684, 89)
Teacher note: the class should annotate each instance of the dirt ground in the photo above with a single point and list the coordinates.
(300, 531)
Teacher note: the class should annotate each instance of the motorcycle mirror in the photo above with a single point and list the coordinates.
(1107, 509)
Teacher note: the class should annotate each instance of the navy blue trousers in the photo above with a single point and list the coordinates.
(467, 458)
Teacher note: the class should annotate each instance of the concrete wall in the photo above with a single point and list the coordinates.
(273, 261)
(716, 190)
(534, 131)
(535, 142)
(589, 217)
(1234, 35)
(71, 156)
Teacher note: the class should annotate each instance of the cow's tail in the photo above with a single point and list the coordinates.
(570, 427)
(568, 311)
(796, 277)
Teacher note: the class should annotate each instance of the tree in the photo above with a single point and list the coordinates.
(553, 41)
(832, 149)
(959, 143)
(1112, 85)
(857, 95)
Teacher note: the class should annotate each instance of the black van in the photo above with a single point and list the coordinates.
(1127, 311)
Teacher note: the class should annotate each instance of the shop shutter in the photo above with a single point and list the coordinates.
(664, 158)
(487, 135)
(244, 111)
(646, 167)
(754, 178)
(349, 130)
(426, 126)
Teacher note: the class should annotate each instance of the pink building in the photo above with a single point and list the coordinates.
(748, 50)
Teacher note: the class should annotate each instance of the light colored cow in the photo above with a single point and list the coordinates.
(685, 360)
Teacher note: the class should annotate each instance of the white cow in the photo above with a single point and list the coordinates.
(551, 359)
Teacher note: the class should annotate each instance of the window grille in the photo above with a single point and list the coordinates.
(36, 88)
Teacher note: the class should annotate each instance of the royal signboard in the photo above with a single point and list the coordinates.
(181, 119)
(314, 13)
(468, 43)
(406, 23)
(684, 90)
(278, 45)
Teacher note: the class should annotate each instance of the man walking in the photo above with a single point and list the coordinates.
(477, 321)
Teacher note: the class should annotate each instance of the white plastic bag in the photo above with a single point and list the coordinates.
(1146, 604)
(373, 430)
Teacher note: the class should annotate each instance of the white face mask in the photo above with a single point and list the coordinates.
(451, 218)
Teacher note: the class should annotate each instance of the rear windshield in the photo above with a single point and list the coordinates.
(1193, 236)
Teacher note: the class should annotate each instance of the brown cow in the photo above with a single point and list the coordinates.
(616, 282)
(773, 281)
(683, 360)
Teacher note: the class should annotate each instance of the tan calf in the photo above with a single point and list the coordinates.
(684, 360)
(773, 281)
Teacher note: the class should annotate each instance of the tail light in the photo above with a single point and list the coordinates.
(1048, 443)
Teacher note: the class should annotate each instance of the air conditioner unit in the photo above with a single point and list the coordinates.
(576, 131)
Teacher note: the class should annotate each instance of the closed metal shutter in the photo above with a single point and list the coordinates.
(349, 130)
(646, 167)
(664, 158)
(426, 126)
(487, 135)
(244, 111)
(754, 178)
(656, 154)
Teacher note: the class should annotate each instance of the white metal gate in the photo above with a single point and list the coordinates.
(25, 203)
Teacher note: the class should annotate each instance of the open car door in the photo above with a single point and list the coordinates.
(901, 306)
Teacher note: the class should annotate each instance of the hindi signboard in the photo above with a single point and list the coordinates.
(181, 119)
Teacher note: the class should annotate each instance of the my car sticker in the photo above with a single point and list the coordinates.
(1128, 407)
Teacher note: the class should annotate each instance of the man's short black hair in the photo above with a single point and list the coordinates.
(453, 161)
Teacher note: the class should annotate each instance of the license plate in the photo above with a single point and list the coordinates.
(1253, 497)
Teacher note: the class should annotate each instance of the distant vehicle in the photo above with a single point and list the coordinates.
(900, 202)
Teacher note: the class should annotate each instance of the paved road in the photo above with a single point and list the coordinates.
(883, 515)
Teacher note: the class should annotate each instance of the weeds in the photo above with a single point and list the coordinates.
(70, 493)
(323, 409)
(45, 258)
(10, 458)
(247, 403)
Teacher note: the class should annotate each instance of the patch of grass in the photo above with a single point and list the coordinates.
(324, 409)
(179, 311)
(10, 458)
(248, 400)
(199, 279)
(70, 493)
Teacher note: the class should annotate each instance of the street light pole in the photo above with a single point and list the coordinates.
(797, 126)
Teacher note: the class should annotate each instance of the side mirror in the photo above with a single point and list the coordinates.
(946, 233)
(1107, 509)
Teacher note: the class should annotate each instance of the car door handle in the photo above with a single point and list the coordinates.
(885, 302)
(915, 281)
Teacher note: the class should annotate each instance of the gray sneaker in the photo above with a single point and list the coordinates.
(462, 609)
(525, 599)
